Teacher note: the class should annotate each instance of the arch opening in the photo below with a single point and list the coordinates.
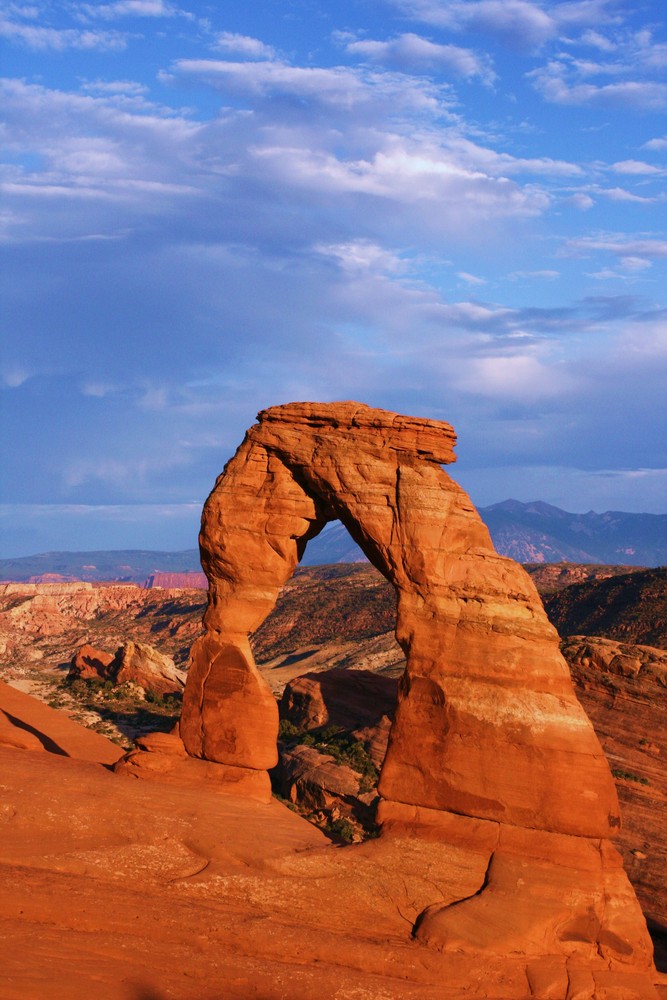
(328, 653)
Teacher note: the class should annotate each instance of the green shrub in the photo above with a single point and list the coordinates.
(287, 731)
(343, 829)
(619, 773)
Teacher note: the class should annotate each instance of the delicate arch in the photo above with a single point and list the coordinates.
(487, 720)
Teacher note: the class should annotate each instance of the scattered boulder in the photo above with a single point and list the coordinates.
(609, 656)
(140, 664)
(351, 699)
(358, 701)
(134, 663)
(313, 779)
(89, 663)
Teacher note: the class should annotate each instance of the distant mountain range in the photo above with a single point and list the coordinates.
(538, 532)
(528, 532)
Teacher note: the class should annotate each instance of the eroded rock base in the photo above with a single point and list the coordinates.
(562, 902)
(125, 890)
(163, 756)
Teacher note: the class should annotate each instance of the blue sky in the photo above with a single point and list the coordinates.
(451, 208)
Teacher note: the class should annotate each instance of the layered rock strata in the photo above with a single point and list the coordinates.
(488, 734)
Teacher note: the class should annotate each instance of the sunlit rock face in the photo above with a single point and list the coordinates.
(489, 750)
(487, 722)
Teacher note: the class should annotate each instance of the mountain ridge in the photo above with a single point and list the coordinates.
(535, 532)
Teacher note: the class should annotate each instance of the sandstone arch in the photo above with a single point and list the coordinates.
(487, 723)
(489, 752)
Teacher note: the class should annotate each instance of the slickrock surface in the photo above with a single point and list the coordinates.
(489, 746)
(127, 890)
(308, 631)
(27, 723)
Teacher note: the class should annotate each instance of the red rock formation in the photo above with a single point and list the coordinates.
(133, 663)
(484, 668)
(163, 756)
(89, 663)
(314, 779)
(488, 735)
(351, 699)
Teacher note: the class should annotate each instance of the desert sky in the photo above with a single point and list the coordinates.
(450, 208)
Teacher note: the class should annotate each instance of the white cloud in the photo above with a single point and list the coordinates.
(470, 279)
(548, 274)
(98, 390)
(658, 143)
(520, 23)
(635, 264)
(634, 167)
(581, 201)
(243, 45)
(61, 39)
(634, 70)
(410, 52)
(520, 376)
(112, 87)
(620, 244)
(129, 8)
(408, 173)
(362, 256)
(121, 471)
(527, 25)
(621, 194)
(91, 148)
(111, 146)
(598, 41)
(476, 157)
(15, 376)
(552, 82)
(338, 86)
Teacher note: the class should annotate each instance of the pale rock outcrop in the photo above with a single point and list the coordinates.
(140, 664)
(489, 746)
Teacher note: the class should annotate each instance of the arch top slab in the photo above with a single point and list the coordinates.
(487, 723)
